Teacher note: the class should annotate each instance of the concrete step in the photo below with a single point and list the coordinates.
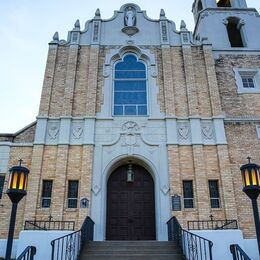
(152, 250)
(133, 257)
(116, 251)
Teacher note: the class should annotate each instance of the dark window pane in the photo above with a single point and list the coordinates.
(2, 182)
(187, 189)
(244, 80)
(46, 193)
(250, 80)
(251, 85)
(137, 74)
(130, 98)
(130, 110)
(130, 63)
(188, 194)
(214, 203)
(188, 203)
(73, 189)
(213, 189)
(72, 203)
(130, 85)
(214, 194)
(118, 110)
(73, 194)
(46, 189)
(46, 203)
(142, 110)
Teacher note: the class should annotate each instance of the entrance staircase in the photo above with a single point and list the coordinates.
(124, 250)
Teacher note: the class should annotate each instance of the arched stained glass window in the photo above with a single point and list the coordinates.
(130, 94)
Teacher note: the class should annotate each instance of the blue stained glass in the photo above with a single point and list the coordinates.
(118, 110)
(130, 63)
(130, 110)
(130, 85)
(119, 74)
(142, 110)
(130, 98)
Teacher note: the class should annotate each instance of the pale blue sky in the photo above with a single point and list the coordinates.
(26, 27)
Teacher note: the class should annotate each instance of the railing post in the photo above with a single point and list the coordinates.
(53, 249)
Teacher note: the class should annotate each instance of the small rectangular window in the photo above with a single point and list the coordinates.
(188, 194)
(2, 182)
(73, 194)
(214, 194)
(46, 193)
(248, 82)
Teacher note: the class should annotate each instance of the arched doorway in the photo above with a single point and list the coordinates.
(130, 205)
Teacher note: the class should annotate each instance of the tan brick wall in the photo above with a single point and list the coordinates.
(235, 104)
(242, 142)
(58, 87)
(80, 95)
(200, 164)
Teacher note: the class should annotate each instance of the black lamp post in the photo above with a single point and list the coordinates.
(251, 182)
(16, 190)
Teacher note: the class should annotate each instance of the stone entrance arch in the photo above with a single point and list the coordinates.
(161, 196)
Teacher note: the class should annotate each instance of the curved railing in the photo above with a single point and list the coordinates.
(69, 246)
(28, 253)
(193, 247)
(238, 253)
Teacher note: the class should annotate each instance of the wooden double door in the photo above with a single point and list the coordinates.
(130, 205)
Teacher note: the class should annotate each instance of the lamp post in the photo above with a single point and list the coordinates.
(251, 181)
(16, 190)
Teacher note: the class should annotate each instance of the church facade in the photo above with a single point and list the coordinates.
(134, 115)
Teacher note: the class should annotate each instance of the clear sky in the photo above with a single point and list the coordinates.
(26, 27)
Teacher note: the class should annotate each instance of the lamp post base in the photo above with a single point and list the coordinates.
(11, 232)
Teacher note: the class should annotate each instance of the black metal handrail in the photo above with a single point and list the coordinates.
(28, 253)
(212, 224)
(238, 253)
(69, 246)
(193, 247)
(49, 225)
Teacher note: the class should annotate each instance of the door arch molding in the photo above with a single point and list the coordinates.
(99, 199)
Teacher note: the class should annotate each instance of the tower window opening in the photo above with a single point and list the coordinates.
(234, 33)
(199, 6)
(223, 3)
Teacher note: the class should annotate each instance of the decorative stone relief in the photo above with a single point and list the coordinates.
(95, 31)
(130, 127)
(165, 189)
(164, 31)
(207, 131)
(77, 131)
(96, 189)
(130, 130)
(53, 131)
(183, 131)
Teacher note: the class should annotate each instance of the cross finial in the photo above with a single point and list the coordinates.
(211, 217)
(20, 161)
(249, 159)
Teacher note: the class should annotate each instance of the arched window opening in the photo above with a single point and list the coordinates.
(234, 33)
(130, 91)
(223, 3)
(199, 6)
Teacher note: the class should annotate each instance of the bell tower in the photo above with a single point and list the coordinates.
(227, 23)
